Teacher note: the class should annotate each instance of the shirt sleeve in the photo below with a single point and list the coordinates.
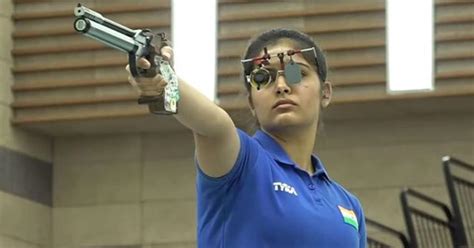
(246, 158)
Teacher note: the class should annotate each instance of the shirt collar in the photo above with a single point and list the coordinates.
(319, 167)
(280, 155)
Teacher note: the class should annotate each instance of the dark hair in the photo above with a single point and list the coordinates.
(301, 40)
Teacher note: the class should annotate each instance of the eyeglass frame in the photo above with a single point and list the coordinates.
(264, 60)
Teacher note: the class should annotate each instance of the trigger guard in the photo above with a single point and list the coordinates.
(133, 65)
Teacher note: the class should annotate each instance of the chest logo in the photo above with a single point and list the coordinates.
(279, 186)
(349, 217)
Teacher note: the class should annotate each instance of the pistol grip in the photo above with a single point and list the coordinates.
(156, 104)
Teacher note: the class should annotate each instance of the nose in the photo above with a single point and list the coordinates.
(281, 87)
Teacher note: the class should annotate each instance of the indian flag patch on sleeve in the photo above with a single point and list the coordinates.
(349, 217)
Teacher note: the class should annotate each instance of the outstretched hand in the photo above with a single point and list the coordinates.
(150, 86)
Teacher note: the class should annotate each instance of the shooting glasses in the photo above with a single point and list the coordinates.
(262, 76)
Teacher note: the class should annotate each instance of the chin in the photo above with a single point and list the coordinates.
(284, 121)
(287, 120)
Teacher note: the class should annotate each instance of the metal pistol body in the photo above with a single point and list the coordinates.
(137, 44)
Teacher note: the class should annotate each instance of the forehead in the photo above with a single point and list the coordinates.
(283, 47)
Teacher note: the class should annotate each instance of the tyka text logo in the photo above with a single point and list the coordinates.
(279, 186)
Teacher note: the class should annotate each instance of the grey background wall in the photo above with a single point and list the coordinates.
(25, 163)
(136, 189)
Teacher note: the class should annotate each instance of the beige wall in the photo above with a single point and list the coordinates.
(139, 188)
(124, 190)
(34, 145)
(375, 159)
(23, 223)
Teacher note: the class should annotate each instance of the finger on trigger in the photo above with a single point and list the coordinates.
(143, 63)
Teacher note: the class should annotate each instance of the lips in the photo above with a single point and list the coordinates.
(283, 101)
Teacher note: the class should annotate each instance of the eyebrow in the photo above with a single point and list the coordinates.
(299, 63)
(305, 65)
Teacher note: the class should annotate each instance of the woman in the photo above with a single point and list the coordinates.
(268, 190)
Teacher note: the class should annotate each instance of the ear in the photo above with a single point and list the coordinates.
(326, 94)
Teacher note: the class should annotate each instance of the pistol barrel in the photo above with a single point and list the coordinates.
(105, 35)
(82, 11)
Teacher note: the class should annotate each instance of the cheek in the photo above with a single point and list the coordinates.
(310, 94)
(259, 102)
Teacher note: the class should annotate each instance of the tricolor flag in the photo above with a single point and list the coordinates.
(349, 217)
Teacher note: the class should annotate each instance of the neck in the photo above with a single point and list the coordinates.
(298, 142)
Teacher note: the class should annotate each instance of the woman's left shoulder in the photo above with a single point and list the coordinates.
(348, 197)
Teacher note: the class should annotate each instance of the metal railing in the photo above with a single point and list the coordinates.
(425, 229)
(374, 243)
(461, 194)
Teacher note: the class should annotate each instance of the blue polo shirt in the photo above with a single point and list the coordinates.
(266, 200)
